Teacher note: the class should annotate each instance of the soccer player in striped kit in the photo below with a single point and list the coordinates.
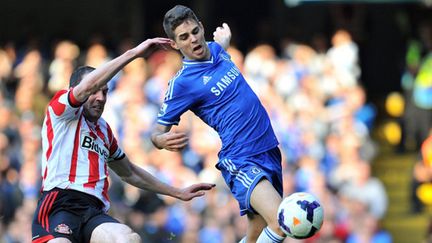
(211, 86)
(78, 145)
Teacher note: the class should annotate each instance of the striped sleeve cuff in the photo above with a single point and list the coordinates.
(72, 100)
(162, 122)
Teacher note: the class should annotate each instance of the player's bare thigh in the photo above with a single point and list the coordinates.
(114, 232)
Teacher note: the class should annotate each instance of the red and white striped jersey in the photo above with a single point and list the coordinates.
(76, 151)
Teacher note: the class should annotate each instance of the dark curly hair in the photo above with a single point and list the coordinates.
(175, 17)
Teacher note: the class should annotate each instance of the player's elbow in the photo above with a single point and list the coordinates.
(127, 176)
(155, 141)
(157, 146)
(130, 179)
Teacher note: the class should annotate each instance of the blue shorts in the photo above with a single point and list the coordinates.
(243, 173)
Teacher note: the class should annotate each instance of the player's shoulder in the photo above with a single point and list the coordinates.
(215, 48)
(102, 123)
(58, 94)
(184, 70)
(181, 77)
(213, 45)
(58, 102)
(218, 52)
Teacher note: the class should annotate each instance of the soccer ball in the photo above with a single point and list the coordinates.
(300, 215)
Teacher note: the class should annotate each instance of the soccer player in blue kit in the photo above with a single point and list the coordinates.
(211, 86)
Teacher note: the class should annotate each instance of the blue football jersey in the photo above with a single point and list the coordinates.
(218, 94)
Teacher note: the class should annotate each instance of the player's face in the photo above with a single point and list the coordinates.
(94, 106)
(189, 39)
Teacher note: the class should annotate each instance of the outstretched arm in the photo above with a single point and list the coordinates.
(162, 138)
(101, 75)
(222, 35)
(140, 178)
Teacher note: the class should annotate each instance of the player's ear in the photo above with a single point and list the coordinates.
(173, 44)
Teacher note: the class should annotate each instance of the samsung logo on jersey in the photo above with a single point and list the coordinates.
(226, 80)
(89, 143)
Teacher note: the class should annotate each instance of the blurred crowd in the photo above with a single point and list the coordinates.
(416, 120)
(313, 94)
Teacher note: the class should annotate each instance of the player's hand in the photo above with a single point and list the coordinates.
(147, 47)
(172, 141)
(222, 35)
(196, 190)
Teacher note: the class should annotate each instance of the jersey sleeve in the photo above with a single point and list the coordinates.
(178, 100)
(64, 106)
(115, 152)
(218, 49)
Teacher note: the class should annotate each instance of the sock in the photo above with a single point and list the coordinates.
(243, 240)
(268, 236)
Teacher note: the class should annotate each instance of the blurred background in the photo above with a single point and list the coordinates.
(347, 84)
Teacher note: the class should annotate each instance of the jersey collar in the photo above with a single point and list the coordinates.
(189, 62)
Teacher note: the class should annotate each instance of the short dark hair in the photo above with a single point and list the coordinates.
(175, 17)
(78, 75)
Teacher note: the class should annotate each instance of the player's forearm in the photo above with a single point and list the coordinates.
(144, 180)
(101, 75)
(224, 43)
